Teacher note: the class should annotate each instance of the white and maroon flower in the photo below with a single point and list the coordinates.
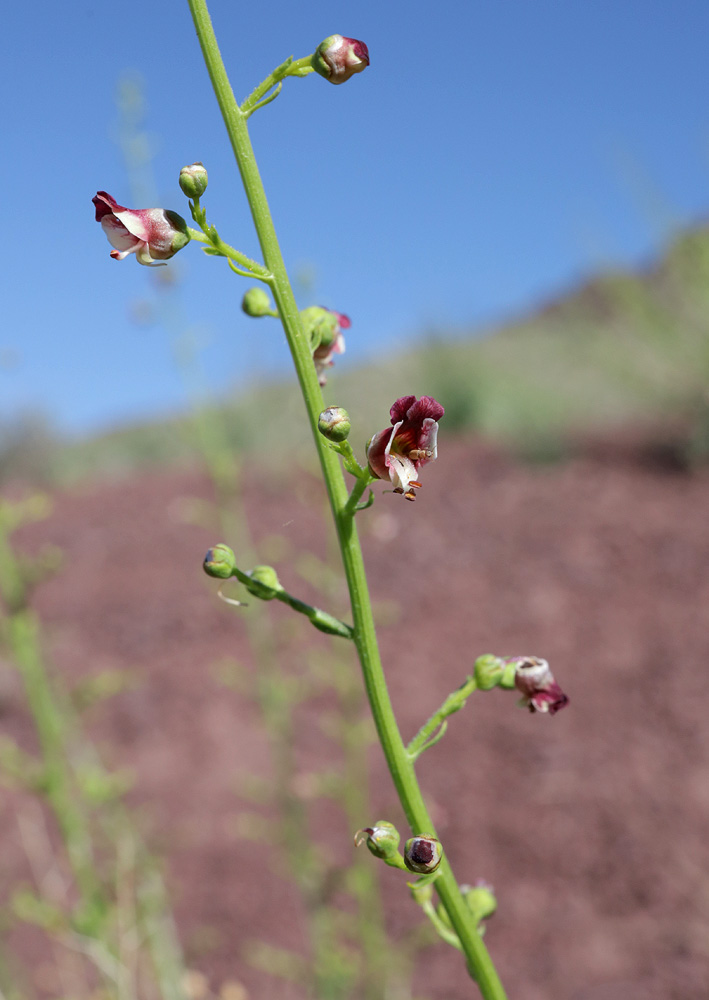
(535, 681)
(398, 452)
(152, 234)
(332, 340)
(338, 58)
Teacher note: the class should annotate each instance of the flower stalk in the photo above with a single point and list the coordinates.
(398, 759)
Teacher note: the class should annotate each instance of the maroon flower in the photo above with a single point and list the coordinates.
(399, 451)
(332, 342)
(535, 681)
(152, 234)
(338, 58)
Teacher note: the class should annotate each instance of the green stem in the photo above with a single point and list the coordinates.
(24, 644)
(322, 620)
(432, 730)
(400, 764)
(355, 496)
(210, 236)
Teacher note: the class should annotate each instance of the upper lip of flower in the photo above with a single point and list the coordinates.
(400, 450)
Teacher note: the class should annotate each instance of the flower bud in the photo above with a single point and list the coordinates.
(219, 562)
(257, 303)
(337, 58)
(488, 671)
(334, 423)
(264, 583)
(382, 839)
(321, 326)
(193, 180)
(480, 900)
(423, 854)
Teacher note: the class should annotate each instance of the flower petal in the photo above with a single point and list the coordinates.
(118, 236)
(105, 204)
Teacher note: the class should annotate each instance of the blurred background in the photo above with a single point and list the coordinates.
(510, 204)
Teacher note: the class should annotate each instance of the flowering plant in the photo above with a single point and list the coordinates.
(396, 453)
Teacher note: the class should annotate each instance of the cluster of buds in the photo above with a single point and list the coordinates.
(422, 853)
(530, 675)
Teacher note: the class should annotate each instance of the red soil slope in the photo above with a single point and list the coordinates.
(591, 825)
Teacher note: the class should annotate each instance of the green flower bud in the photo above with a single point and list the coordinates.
(480, 899)
(423, 854)
(193, 180)
(382, 839)
(219, 562)
(264, 583)
(334, 423)
(257, 303)
(488, 671)
(509, 675)
(321, 326)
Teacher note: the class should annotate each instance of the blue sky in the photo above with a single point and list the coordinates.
(492, 156)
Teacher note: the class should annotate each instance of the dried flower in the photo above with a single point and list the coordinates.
(399, 451)
(337, 58)
(152, 234)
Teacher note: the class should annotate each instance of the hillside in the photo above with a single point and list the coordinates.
(626, 347)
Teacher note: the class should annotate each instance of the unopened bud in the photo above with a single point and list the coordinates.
(423, 854)
(264, 583)
(488, 671)
(193, 180)
(337, 58)
(480, 900)
(257, 303)
(382, 839)
(219, 562)
(334, 423)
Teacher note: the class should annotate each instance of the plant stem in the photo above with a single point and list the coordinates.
(400, 765)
